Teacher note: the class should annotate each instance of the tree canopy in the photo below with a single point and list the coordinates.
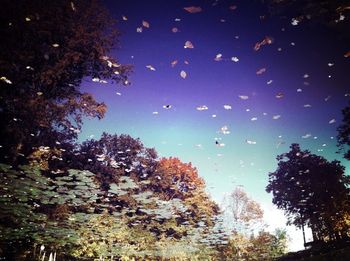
(46, 51)
(312, 191)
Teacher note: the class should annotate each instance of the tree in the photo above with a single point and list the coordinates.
(312, 191)
(263, 246)
(331, 13)
(37, 209)
(344, 132)
(46, 51)
(244, 211)
(113, 156)
(175, 179)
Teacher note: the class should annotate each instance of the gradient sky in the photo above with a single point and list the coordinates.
(306, 57)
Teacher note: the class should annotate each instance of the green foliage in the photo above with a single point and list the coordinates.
(35, 208)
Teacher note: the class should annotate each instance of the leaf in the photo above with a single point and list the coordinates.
(193, 9)
(145, 24)
(188, 45)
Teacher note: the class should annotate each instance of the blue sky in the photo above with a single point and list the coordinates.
(305, 64)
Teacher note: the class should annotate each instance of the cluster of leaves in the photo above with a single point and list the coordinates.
(263, 246)
(46, 52)
(313, 192)
(327, 12)
(117, 212)
(344, 132)
(35, 208)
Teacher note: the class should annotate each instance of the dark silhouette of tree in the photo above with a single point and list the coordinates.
(113, 156)
(46, 50)
(331, 13)
(312, 191)
(344, 132)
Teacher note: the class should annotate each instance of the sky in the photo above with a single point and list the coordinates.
(224, 106)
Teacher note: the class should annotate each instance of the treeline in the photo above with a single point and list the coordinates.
(115, 198)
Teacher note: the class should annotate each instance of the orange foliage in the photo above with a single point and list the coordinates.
(175, 178)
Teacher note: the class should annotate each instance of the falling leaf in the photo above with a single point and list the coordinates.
(150, 67)
(202, 108)
(173, 63)
(295, 21)
(183, 74)
(213, 115)
(224, 130)
(3, 78)
(219, 144)
(299, 90)
(269, 82)
(232, 7)
(266, 41)
(234, 59)
(227, 107)
(39, 93)
(118, 93)
(188, 45)
(347, 55)
(193, 9)
(243, 97)
(139, 29)
(276, 117)
(305, 76)
(124, 18)
(261, 71)
(167, 107)
(145, 24)
(332, 121)
(251, 142)
(307, 106)
(155, 113)
(27, 19)
(330, 64)
(279, 95)
(55, 45)
(72, 6)
(254, 119)
(306, 136)
(327, 98)
(175, 30)
(218, 57)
